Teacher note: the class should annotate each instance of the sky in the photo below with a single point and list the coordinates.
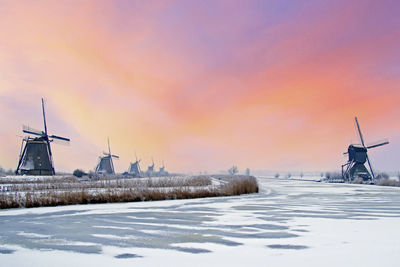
(202, 85)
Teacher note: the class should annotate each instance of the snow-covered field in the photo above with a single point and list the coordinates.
(290, 222)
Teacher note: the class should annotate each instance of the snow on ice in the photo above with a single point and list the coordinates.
(289, 222)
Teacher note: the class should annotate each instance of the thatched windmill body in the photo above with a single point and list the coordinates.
(134, 168)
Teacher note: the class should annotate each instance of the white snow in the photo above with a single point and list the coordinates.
(33, 235)
(289, 223)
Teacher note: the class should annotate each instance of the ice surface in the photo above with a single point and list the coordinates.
(289, 222)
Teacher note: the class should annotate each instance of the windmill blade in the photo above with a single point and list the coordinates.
(115, 156)
(380, 143)
(29, 130)
(370, 167)
(60, 138)
(112, 166)
(44, 118)
(60, 142)
(359, 132)
(109, 149)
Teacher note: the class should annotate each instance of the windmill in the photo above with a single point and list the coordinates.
(134, 168)
(357, 157)
(35, 156)
(105, 165)
(150, 169)
(162, 171)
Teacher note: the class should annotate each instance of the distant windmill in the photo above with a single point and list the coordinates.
(35, 156)
(105, 165)
(134, 168)
(357, 157)
(162, 169)
(150, 169)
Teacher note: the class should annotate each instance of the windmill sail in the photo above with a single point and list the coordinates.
(29, 130)
(359, 132)
(376, 144)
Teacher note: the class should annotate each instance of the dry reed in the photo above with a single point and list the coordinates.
(108, 191)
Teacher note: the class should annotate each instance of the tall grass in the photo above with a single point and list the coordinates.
(126, 191)
(240, 185)
(74, 183)
(388, 182)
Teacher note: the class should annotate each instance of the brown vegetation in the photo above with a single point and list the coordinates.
(357, 180)
(69, 183)
(240, 185)
(124, 191)
(388, 182)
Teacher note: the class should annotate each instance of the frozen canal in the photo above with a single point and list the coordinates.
(289, 223)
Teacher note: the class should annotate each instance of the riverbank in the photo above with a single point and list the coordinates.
(43, 192)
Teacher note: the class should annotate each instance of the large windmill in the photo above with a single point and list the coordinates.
(357, 157)
(35, 156)
(134, 168)
(105, 165)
